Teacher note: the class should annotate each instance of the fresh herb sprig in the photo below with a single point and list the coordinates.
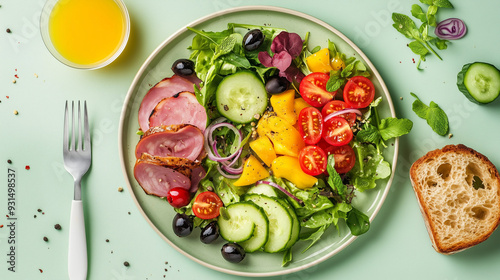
(435, 116)
(422, 41)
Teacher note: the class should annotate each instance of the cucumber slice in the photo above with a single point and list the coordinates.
(241, 96)
(295, 226)
(264, 189)
(244, 218)
(479, 82)
(280, 222)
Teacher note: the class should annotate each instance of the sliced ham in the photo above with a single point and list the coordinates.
(197, 174)
(183, 141)
(165, 88)
(159, 180)
(182, 108)
(182, 165)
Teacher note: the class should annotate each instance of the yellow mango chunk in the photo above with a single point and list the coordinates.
(284, 105)
(264, 149)
(289, 168)
(299, 104)
(253, 171)
(285, 138)
(319, 61)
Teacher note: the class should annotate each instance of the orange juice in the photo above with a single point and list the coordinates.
(87, 32)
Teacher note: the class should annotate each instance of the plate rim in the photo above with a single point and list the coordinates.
(184, 29)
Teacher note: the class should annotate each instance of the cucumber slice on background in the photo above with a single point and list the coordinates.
(479, 82)
(241, 96)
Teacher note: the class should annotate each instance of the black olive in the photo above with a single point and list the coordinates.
(210, 233)
(182, 225)
(253, 39)
(233, 252)
(183, 67)
(277, 85)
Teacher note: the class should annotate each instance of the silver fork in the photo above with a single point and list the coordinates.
(77, 158)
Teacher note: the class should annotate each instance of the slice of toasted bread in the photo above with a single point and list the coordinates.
(458, 190)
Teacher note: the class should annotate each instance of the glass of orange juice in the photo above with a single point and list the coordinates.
(85, 34)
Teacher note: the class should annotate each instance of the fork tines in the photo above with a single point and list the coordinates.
(75, 143)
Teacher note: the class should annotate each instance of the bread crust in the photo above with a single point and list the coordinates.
(460, 150)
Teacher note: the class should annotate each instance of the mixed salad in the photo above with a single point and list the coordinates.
(293, 133)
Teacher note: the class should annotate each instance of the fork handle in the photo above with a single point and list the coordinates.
(77, 250)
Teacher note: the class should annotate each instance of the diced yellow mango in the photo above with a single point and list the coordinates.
(319, 61)
(289, 168)
(299, 104)
(283, 104)
(264, 149)
(253, 171)
(285, 138)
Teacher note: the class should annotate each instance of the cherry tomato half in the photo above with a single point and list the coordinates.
(337, 105)
(313, 89)
(359, 92)
(310, 125)
(207, 205)
(312, 160)
(178, 197)
(344, 157)
(337, 132)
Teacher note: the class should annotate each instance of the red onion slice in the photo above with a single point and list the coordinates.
(272, 184)
(210, 144)
(451, 29)
(230, 176)
(341, 112)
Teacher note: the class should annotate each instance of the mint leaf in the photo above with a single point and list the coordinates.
(419, 49)
(442, 3)
(437, 119)
(417, 12)
(435, 116)
(428, 2)
(419, 107)
(393, 127)
(405, 25)
(334, 82)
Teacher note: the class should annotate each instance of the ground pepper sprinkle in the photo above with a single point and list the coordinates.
(45, 239)
(120, 189)
(41, 271)
(9, 161)
(57, 226)
(126, 264)
(8, 30)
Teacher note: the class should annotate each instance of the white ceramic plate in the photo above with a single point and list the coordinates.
(159, 213)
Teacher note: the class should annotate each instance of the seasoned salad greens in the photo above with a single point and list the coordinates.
(328, 202)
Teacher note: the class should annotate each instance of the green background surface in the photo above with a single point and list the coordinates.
(397, 245)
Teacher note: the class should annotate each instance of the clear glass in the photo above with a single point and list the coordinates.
(44, 29)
